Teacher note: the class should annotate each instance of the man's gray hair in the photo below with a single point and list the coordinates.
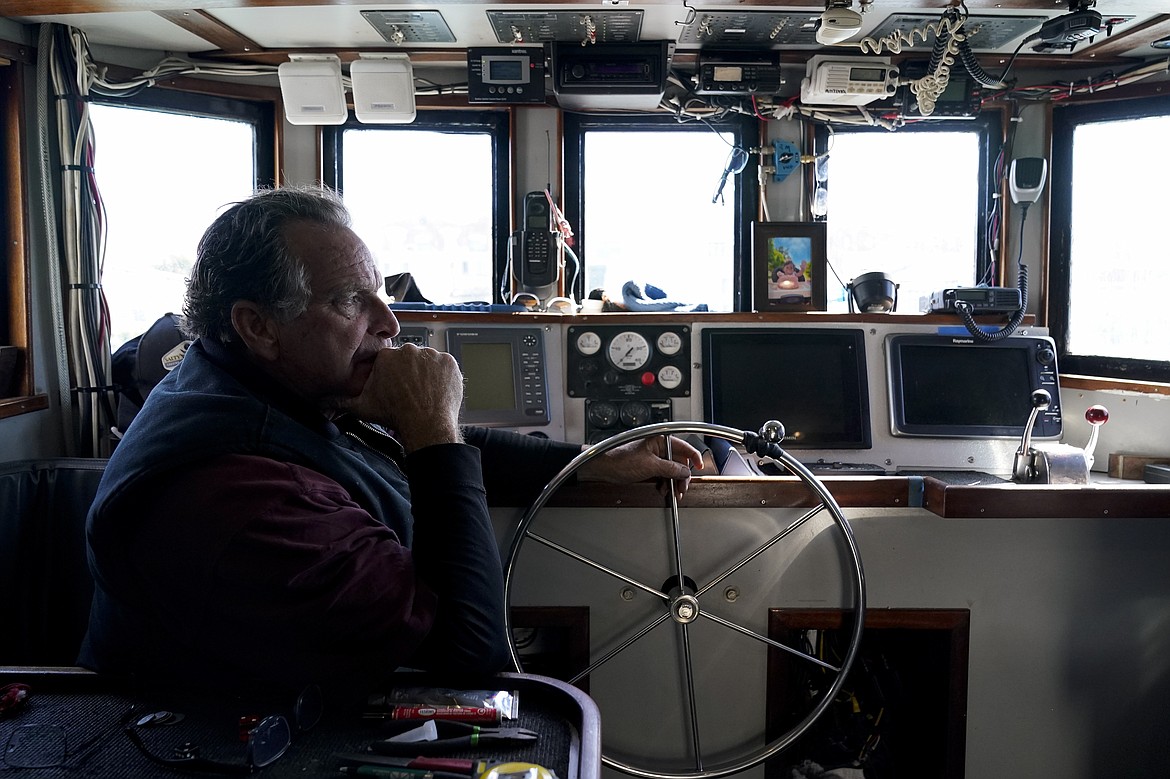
(243, 255)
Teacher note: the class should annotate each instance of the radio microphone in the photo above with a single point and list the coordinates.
(1026, 179)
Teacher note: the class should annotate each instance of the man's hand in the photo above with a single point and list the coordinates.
(416, 392)
(646, 459)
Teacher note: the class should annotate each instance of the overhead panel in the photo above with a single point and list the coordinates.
(984, 32)
(400, 27)
(751, 28)
(584, 26)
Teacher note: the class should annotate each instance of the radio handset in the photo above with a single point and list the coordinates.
(536, 255)
(1026, 180)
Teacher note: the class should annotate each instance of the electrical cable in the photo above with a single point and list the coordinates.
(964, 308)
(65, 398)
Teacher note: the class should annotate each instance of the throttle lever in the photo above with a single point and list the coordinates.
(1095, 416)
(1024, 467)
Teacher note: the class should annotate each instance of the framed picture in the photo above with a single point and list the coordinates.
(788, 266)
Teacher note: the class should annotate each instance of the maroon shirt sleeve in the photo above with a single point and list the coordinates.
(293, 578)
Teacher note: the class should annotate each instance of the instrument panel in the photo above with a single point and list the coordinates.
(627, 374)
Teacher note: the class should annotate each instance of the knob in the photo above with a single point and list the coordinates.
(1041, 400)
(772, 431)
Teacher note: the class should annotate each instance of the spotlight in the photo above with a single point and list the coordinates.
(875, 293)
(838, 22)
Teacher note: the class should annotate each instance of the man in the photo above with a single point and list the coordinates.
(257, 527)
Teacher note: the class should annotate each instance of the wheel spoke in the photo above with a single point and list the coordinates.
(761, 549)
(694, 711)
(769, 641)
(613, 652)
(678, 569)
(595, 565)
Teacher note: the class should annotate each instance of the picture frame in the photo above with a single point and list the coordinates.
(789, 266)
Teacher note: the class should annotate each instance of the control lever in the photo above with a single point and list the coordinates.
(1055, 463)
(1024, 467)
(1095, 416)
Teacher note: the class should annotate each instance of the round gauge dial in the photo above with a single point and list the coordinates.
(669, 343)
(635, 413)
(629, 351)
(669, 376)
(603, 414)
(588, 342)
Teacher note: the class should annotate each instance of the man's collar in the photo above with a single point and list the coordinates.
(232, 359)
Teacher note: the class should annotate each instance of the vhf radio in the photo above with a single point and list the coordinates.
(536, 262)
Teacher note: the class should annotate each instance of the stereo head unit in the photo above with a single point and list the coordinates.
(610, 76)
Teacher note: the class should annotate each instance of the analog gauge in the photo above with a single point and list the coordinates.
(629, 351)
(635, 413)
(669, 377)
(669, 343)
(588, 342)
(602, 414)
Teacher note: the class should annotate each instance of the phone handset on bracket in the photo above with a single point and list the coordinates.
(535, 259)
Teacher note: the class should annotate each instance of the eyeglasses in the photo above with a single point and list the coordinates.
(736, 162)
(267, 742)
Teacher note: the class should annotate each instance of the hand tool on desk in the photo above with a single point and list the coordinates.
(438, 765)
(392, 772)
(442, 735)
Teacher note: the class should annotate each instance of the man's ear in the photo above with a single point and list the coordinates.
(257, 330)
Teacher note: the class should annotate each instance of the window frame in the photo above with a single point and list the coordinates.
(988, 126)
(15, 288)
(1065, 120)
(260, 113)
(496, 123)
(745, 130)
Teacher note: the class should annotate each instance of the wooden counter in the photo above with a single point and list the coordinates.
(1135, 500)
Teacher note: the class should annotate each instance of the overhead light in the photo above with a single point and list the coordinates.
(1161, 43)
(383, 89)
(838, 22)
(310, 85)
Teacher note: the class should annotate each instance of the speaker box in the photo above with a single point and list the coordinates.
(310, 85)
(383, 89)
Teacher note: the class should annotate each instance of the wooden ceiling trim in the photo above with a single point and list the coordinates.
(210, 29)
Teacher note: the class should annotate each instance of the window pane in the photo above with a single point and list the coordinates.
(649, 217)
(163, 178)
(906, 204)
(1117, 248)
(422, 201)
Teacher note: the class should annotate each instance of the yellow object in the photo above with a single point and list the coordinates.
(518, 771)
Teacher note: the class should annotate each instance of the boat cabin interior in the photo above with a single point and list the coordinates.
(893, 266)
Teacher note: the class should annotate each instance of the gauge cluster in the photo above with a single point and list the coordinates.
(627, 374)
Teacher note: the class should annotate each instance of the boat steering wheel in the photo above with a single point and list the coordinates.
(681, 606)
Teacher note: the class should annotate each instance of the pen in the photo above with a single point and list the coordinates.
(393, 772)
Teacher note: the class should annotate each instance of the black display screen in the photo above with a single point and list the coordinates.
(813, 381)
(945, 386)
(489, 376)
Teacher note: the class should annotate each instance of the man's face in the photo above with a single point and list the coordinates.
(327, 352)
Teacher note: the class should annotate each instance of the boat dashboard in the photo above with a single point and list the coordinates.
(857, 395)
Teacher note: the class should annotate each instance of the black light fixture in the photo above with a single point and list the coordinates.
(874, 293)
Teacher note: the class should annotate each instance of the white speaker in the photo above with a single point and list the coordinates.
(311, 87)
(383, 89)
